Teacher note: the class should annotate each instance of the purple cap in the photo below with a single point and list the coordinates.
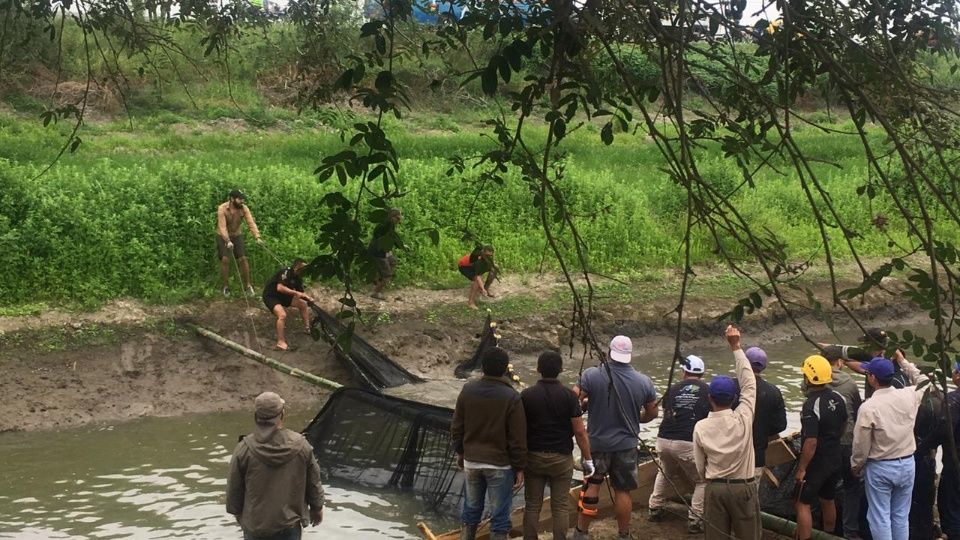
(757, 358)
(723, 390)
(879, 367)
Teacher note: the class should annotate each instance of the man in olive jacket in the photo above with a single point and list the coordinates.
(274, 485)
(489, 433)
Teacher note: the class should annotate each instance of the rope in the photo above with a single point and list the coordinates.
(246, 300)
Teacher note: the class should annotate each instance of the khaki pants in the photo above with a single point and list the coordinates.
(676, 460)
(555, 470)
(732, 511)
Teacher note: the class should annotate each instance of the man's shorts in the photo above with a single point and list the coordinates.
(620, 467)
(820, 483)
(468, 272)
(386, 265)
(238, 249)
(272, 301)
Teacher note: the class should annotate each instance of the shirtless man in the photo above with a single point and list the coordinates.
(229, 238)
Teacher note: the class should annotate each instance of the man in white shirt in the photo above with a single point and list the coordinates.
(883, 447)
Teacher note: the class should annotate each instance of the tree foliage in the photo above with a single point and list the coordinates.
(567, 65)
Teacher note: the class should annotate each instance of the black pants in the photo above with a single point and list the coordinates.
(948, 502)
(924, 491)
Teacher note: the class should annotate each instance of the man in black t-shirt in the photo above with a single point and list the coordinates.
(823, 420)
(554, 419)
(948, 492)
(283, 290)
(770, 417)
(685, 403)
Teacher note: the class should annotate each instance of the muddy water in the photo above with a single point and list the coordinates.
(165, 477)
(159, 478)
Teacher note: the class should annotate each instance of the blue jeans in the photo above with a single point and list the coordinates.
(889, 486)
(496, 486)
(293, 533)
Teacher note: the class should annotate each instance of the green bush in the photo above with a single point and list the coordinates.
(133, 213)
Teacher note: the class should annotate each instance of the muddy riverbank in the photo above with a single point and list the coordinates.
(127, 361)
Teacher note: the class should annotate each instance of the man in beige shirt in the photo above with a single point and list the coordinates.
(883, 447)
(229, 238)
(723, 451)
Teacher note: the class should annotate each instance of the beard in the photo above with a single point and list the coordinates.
(238, 205)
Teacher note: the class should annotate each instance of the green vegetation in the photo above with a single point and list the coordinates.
(132, 214)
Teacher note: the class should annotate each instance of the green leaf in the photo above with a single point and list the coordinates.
(559, 128)
(488, 81)
(606, 134)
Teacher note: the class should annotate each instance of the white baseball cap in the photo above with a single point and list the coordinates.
(693, 364)
(621, 349)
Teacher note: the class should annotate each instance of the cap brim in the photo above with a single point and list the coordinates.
(624, 358)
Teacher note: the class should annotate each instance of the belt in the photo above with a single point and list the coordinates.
(730, 480)
(893, 458)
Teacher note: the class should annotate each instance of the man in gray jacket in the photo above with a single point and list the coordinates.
(274, 485)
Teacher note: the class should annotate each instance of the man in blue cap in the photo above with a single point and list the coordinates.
(948, 494)
(883, 446)
(723, 450)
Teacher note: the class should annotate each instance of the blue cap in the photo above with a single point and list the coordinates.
(879, 367)
(956, 367)
(723, 390)
(757, 358)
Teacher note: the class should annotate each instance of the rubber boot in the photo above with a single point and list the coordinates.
(499, 536)
(468, 532)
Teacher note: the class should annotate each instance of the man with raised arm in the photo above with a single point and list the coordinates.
(723, 450)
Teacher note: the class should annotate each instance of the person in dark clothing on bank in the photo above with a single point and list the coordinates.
(381, 246)
(285, 289)
(823, 420)
(771, 414)
(554, 419)
(489, 432)
(686, 403)
(948, 494)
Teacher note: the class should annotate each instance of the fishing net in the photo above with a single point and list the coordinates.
(488, 339)
(370, 367)
(387, 442)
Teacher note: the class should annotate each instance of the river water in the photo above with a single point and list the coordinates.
(165, 477)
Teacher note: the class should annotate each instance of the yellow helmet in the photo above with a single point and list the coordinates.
(817, 370)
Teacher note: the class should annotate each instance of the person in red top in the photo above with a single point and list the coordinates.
(475, 264)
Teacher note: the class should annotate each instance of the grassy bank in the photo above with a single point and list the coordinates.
(132, 213)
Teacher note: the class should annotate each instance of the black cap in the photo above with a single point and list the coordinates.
(237, 194)
(875, 336)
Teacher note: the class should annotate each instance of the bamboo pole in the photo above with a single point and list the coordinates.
(785, 527)
(267, 361)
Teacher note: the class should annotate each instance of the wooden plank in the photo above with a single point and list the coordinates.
(779, 452)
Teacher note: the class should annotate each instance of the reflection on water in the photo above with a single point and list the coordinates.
(165, 478)
(160, 478)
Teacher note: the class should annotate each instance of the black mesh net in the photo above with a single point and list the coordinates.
(370, 367)
(488, 338)
(386, 442)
